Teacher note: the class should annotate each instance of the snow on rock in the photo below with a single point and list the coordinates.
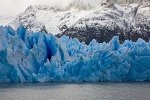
(142, 20)
(5, 20)
(86, 20)
(110, 19)
(40, 57)
(47, 19)
(28, 20)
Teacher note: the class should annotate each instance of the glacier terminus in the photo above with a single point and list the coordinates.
(40, 57)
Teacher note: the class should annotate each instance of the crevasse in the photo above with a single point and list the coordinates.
(40, 57)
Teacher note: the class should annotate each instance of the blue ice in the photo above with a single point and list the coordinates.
(40, 57)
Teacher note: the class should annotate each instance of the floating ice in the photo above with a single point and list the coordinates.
(40, 57)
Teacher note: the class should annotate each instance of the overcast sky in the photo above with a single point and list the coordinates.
(14, 7)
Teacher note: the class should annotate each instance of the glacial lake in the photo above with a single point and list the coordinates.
(75, 91)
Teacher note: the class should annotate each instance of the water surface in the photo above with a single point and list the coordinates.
(72, 91)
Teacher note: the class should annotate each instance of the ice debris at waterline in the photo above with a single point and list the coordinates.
(40, 57)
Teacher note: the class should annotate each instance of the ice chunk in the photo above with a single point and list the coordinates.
(40, 57)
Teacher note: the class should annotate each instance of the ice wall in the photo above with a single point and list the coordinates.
(40, 57)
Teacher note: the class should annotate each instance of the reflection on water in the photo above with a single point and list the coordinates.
(72, 91)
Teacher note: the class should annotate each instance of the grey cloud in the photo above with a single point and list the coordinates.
(14, 7)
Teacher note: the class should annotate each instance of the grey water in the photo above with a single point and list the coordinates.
(75, 91)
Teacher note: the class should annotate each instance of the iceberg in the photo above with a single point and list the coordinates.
(41, 57)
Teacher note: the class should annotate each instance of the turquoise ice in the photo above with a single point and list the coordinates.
(40, 57)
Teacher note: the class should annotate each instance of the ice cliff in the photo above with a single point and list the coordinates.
(40, 57)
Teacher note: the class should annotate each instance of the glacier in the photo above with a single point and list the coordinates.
(41, 57)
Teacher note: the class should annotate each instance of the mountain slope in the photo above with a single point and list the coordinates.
(28, 19)
(39, 18)
(4, 20)
(82, 20)
(110, 19)
(57, 21)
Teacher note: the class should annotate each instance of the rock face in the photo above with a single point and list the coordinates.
(45, 18)
(110, 19)
(128, 1)
(86, 21)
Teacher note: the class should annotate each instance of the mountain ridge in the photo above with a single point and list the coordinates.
(110, 19)
(102, 22)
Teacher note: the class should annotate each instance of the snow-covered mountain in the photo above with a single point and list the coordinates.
(110, 19)
(28, 19)
(39, 18)
(85, 20)
(5, 20)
